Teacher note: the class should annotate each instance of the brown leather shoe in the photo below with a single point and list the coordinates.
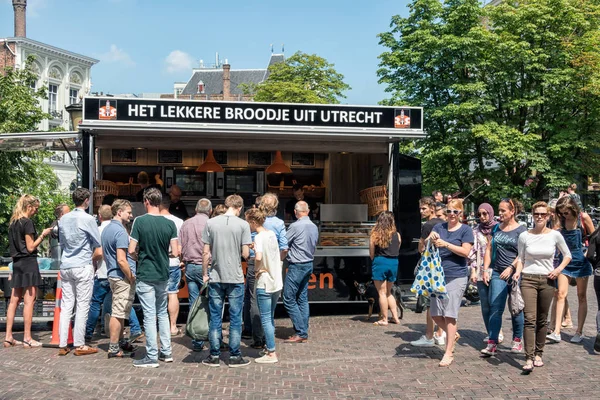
(84, 352)
(63, 351)
(296, 339)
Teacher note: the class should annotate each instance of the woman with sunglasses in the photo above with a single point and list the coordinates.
(536, 270)
(573, 223)
(501, 257)
(483, 235)
(454, 241)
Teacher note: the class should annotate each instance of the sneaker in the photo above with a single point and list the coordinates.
(554, 337)
(517, 346)
(500, 338)
(235, 362)
(597, 343)
(145, 362)
(168, 358)
(490, 350)
(212, 361)
(486, 339)
(423, 342)
(266, 359)
(578, 338)
(135, 336)
(440, 340)
(197, 348)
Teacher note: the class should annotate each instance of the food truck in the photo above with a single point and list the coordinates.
(345, 158)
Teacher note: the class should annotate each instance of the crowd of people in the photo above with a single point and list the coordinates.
(105, 267)
(504, 258)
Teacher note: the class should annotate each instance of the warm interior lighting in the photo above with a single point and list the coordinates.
(278, 166)
(210, 164)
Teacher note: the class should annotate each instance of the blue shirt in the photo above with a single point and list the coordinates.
(79, 236)
(114, 237)
(454, 265)
(302, 237)
(277, 226)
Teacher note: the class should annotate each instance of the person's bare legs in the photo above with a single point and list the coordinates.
(430, 326)
(116, 329)
(29, 294)
(582, 284)
(566, 317)
(391, 300)
(173, 308)
(448, 325)
(15, 297)
(563, 289)
(383, 301)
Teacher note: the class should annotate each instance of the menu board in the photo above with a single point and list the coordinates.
(259, 158)
(124, 156)
(303, 159)
(170, 156)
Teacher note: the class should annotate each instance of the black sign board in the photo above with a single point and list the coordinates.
(244, 113)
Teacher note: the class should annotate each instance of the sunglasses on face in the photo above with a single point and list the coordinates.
(540, 215)
(455, 212)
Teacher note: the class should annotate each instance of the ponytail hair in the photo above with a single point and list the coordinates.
(20, 210)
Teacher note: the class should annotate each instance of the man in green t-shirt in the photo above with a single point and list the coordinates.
(154, 234)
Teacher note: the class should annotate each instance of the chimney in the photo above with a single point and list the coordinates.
(226, 81)
(20, 23)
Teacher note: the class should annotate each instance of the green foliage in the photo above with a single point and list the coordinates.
(24, 172)
(508, 91)
(302, 78)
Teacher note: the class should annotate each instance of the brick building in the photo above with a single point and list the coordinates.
(220, 82)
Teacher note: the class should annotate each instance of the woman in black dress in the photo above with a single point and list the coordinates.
(26, 277)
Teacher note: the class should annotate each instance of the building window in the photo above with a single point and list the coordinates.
(52, 98)
(73, 96)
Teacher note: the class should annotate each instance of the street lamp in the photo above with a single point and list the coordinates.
(75, 114)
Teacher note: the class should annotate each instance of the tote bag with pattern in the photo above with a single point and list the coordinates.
(430, 279)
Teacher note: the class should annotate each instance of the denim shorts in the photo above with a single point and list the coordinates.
(385, 269)
(174, 279)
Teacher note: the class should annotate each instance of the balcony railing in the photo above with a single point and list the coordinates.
(56, 114)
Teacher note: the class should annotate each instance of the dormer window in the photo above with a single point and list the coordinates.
(200, 87)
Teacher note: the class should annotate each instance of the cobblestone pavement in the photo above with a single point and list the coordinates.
(346, 357)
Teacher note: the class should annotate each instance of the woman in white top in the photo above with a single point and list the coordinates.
(269, 281)
(537, 273)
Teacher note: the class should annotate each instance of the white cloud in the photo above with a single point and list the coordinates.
(178, 61)
(117, 55)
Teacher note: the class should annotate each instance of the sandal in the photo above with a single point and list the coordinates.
(380, 323)
(31, 344)
(538, 362)
(446, 361)
(176, 333)
(13, 343)
(528, 367)
(397, 322)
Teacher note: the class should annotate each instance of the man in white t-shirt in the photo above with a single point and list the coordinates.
(174, 269)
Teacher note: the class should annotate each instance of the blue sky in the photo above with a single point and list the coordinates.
(147, 45)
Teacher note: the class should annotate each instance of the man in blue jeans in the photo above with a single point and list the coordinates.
(154, 234)
(192, 248)
(226, 240)
(302, 238)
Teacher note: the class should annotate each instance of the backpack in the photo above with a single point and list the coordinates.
(199, 317)
(591, 251)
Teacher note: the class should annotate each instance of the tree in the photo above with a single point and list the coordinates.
(508, 91)
(302, 78)
(24, 172)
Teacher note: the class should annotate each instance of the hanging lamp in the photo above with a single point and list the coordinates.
(210, 164)
(278, 166)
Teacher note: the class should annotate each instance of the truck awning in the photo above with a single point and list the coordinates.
(28, 141)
